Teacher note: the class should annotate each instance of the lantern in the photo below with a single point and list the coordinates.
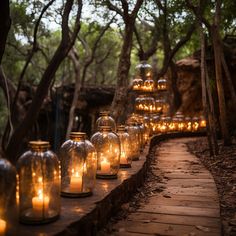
(125, 156)
(149, 104)
(202, 123)
(78, 166)
(105, 120)
(181, 123)
(139, 103)
(162, 84)
(107, 145)
(148, 85)
(137, 83)
(188, 124)
(8, 213)
(173, 126)
(133, 132)
(39, 184)
(195, 124)
(164, 124)
(159, 103)
(144, 70)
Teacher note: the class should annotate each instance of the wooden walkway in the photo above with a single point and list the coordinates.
(188, 206)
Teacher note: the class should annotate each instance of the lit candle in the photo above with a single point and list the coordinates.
(76, 181)
(40, 204)
(203, 123)
(123, 159)
(105, 166)
(3, 225)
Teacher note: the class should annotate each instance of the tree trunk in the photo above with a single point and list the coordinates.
(219, 83)
(205, 103)
(228, 79)
(75, 95)
(119, 100)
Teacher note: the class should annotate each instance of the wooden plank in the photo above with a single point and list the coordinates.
(214, 200)
(175, 219)
(191, 182)
(187, 176)
(180, 210)
(187, 203)
(166, 229)
(198, 191)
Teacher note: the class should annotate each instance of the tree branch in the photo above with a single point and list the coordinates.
(90, 60)
(30, 56)
(65, 45)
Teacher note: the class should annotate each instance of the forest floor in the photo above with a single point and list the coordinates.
(223, 170)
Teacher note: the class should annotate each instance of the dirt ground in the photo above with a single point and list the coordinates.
(223, 169)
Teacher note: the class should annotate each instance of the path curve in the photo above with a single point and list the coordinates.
(189, 204)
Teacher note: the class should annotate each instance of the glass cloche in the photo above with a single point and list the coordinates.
(39, 184)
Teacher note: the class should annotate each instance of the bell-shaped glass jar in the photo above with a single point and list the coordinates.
(143, 70)
(107, 145)
(159, 103)
(195, 124)
(125, 152)
(8, 211)
(148, 85)
(134, 134)
(78, 166)
(139, 103)
(173, 126)
(164, 124)
(137, 84)
(202, 122)
(188, 124)
(162, 84)
(105, 120)
(39, 184)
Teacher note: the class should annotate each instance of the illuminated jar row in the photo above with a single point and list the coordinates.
(149, 85)
(149, 104)
(176, 124)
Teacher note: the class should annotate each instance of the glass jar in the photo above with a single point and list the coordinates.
(146, 123)
(164, 124)
(105, 120)
(188, 124)
(173, 126)
(139, 103)
(137, 83)
(134, 134)
(159, 105)
(195, 124)
(162, 84)
(107, 145)
(149, 85)
(78, 166)
(202, 122)
(8, 211)
(39, 184)
(143, 70)
(125, 156)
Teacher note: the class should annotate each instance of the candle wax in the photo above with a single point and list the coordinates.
(105, 166)
(123, 159)
(3, 225)
(76, 182)
(40, 204)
